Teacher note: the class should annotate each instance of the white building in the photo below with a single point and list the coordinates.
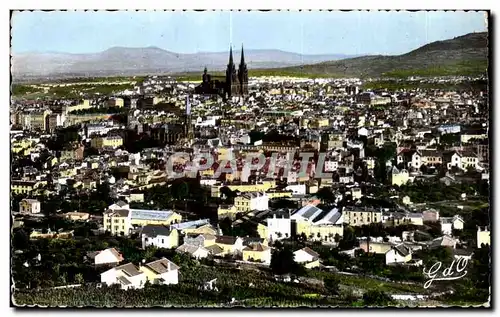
(29, 206)
(161, 271)
(107, 256)
(398, 254)
(305, 255)
(450, 223)
(126, 275)
(331, 165)
(196, 251)
(251, 201)
(159, 236)
(297, 189)
(279, 227)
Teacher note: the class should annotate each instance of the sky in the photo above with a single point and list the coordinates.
(306, 32)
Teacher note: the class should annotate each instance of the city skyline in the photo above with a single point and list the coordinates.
(350, 33)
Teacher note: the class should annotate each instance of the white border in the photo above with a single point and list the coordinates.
(191, 4)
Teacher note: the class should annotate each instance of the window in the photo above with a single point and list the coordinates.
(162, 240)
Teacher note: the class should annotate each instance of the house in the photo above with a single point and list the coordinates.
(126, 275)
(469, 160)
(199, 226)
(76, 216)
(357, 216)
(410, 158)
(399, 177)
(452, 159)
(195, 251)
(398, 254)
(159, 236)
(257, 252)
(161, 271)
(375, 247)
(483, 237)
(203, 240)
(229, 244)
(431, 157)
(462, 254)
(431, 215)
(416, 219)
(29, 206)
(317, 223)
(251, 201)
(35, 234)
(449, 223)
(278, 227)
(444, 241)
(122, 221)
(112, 141)
(307, 256)
(227, 211)
(253, 240)
(119, 205)
(107, 256)
(215, 250)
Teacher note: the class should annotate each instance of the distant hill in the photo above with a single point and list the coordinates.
(149, 60)
(463, 55)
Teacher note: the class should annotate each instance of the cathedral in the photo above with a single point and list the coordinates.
(234, 84)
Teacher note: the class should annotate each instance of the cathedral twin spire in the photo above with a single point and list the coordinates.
(237, 83)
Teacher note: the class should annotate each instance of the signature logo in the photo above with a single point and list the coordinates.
(455, 271)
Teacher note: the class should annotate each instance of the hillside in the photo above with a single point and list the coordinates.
(464, 55)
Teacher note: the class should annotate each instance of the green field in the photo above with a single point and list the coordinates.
(76, 91)
(462, 68)
(393, 85)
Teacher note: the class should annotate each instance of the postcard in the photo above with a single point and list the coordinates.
(250, 159)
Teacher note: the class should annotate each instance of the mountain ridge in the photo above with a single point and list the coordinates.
(130, 61)
(463, 54)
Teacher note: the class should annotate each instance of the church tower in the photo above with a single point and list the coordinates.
(232, 84)
(243, 75)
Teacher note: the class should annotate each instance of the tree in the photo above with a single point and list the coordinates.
(180, 190)
(349, 240)
(302, 237)
(377, 298)
(227, 194)
(283, 262)
(226, 225)
(424, 169)
(337, 238)
(331, 284)
(79, 278)
(326, 195)
(20, 240)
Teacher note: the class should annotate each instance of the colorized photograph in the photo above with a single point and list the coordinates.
(252, 159)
